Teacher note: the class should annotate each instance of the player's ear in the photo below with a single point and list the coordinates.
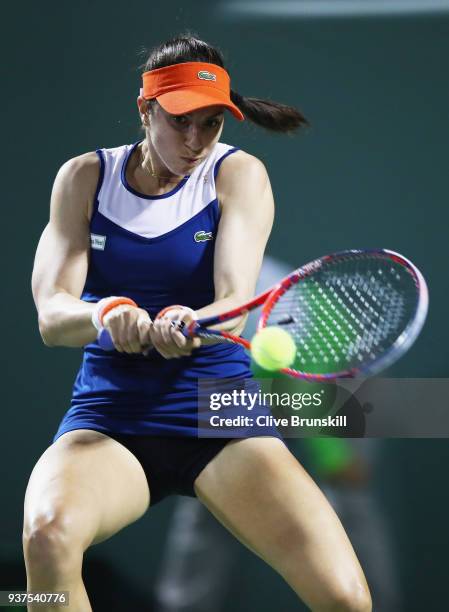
(143, 107)
(142, 104)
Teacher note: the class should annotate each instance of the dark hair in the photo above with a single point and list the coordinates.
(266, 113)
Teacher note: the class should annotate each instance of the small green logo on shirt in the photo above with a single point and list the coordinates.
(202, 236)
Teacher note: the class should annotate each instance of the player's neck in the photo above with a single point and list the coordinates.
(145, 181)
(155, 169)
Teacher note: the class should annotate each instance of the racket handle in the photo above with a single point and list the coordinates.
(105, 340)
(187, 330)
(194, 330)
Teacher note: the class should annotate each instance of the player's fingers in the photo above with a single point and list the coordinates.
(169, 344)
(193, 343)
(118, 341)
(157, 339)
(155, 334)
(176, 342)
(143, 324)
(113, 322)
(187, 317)
(196, 342)
(127, 329)
(143, 329)
(129, 333)
(168, 338)
(178, 337)
(127, 337)
(185, 345)
(173, 314)
(116, 330)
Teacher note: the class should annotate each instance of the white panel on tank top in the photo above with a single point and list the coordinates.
(154, 217)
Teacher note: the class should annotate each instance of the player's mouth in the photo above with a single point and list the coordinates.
(192, 160)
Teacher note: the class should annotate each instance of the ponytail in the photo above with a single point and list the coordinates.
(270, 115)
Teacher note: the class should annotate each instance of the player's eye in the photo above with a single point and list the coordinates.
(214, 123)
(179, 119)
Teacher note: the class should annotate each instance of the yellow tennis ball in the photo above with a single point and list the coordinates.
(273, 348)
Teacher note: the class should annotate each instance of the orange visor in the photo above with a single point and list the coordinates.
(183, 88)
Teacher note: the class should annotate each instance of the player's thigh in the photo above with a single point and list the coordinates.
(85, 484)
(260, 492)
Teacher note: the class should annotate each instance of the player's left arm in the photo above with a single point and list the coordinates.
(247, 211)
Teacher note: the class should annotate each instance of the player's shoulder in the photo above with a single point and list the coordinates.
(81, 168)
(76, 183)
(241, 167)
(243, 161)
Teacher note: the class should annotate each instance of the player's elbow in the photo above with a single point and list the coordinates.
(45, 329)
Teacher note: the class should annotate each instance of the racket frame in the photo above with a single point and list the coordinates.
(270, 297)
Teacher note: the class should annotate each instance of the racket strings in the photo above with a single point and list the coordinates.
(346, 314)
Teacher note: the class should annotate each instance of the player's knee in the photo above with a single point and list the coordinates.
(48, 543)
(351, 598)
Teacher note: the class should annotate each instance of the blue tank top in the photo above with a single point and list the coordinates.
(157, 250)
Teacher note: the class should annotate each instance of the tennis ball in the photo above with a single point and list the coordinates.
(272, 348)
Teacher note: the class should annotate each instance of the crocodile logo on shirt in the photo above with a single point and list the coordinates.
(202, 236)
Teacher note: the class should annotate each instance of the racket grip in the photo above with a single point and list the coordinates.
(187, 330)
(105, 340)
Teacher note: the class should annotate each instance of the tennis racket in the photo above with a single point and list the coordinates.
(350, 313)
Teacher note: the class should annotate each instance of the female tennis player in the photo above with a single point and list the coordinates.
(182, 219)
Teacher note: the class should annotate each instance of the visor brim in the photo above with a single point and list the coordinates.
(183, 101)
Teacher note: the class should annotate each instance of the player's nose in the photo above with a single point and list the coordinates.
(194, 139)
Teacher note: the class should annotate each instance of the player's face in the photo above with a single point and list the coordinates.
(182, 142)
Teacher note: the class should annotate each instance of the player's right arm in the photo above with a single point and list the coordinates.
(62, 257)
(61, 264)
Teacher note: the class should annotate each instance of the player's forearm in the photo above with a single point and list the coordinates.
(66, 321)
(233, 326)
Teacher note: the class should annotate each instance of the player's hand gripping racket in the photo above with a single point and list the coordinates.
(353, 312)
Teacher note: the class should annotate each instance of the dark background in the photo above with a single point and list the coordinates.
(371, 172)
